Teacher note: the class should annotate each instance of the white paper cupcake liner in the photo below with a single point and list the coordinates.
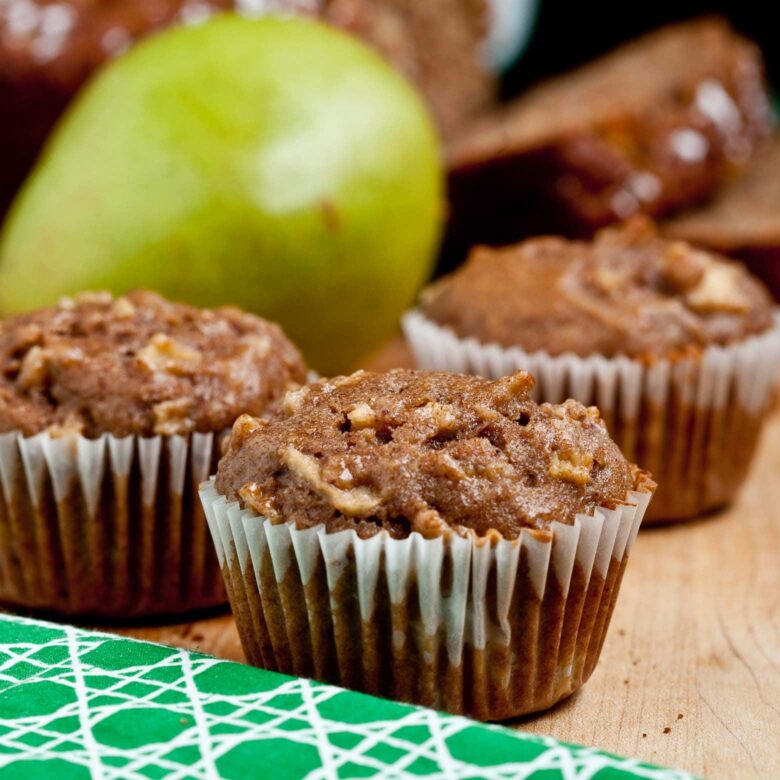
(460, 624)
(108, 527)
(692, 423)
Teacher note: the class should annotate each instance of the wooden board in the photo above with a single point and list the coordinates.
(690, 673)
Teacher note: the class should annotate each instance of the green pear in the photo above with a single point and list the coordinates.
(275, 164)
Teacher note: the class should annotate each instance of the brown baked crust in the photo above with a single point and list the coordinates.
(742, 220)
(744, 215)
(139, 365)
(47, 56)
(655, 125)
(423, 451)
(627, 292)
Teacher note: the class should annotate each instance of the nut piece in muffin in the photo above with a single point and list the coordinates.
(140, 365)
(410, 451)
(629, 292)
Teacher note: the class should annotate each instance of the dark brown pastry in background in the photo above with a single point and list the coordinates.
(428, 537)
(679, 348)
(743, 220)
(654, 126)
(111, 414)
(48, 48)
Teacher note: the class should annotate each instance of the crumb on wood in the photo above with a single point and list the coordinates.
(679, 716)
(667, 730)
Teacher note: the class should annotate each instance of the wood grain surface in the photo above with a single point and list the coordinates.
(690, 673)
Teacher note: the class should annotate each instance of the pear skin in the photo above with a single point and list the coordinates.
(275, 164)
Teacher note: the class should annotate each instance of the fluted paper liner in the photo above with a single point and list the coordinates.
(494, 630)
(693, 423)
(108, 527)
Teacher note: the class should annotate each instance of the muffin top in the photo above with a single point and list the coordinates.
(139, 365)
(626, 292)
(422, 451)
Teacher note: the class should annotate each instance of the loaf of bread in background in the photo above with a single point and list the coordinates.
(654, 126)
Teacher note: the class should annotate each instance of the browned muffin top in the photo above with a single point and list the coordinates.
(627, 292)
(139, 365)
(422, 451)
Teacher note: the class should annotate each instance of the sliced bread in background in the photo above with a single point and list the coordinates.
(655, 126)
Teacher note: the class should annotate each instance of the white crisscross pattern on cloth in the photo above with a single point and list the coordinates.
(214, 720)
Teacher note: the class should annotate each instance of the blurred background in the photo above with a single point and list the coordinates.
(190, 143)
(568, 34)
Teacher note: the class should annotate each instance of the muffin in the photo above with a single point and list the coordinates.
(743, 220)
(647, 128)
(111, 414)
(435, 538)
(679, 348)
(49, 48)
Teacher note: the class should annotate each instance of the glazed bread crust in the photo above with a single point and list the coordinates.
(648, 128)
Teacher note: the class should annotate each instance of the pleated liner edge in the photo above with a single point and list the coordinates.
(490, 630)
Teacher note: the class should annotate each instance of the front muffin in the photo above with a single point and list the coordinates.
(431, 537)
(111, 410)
(678, 347)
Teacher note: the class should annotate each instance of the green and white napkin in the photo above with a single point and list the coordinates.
(78, 704)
